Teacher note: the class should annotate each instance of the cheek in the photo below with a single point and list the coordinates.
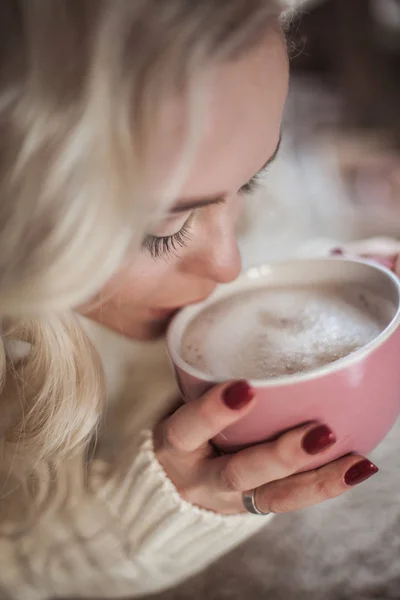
(141, 280)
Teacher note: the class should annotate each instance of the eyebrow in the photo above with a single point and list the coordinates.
(185, 205)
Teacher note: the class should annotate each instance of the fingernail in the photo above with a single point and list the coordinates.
(238, 395)
(360, 472)
(318, 439)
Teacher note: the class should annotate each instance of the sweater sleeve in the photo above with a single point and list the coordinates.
(165, 538)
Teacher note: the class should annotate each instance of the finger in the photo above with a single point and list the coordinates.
(378, 246)
(396, 268)
(263, 463)
(194, 424)
(386, 261)
(306, 489)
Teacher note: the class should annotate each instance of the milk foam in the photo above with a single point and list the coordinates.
(270, 332)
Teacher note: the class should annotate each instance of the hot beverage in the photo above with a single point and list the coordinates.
(270, 332)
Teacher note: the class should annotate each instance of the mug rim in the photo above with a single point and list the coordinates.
(260, 272)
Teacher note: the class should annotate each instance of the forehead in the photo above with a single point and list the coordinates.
(238, 126)
(243, 120)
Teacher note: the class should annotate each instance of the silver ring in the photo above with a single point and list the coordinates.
(249, 501)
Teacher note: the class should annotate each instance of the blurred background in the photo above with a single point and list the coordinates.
(338, 178)
(338, 175)
(345, 100)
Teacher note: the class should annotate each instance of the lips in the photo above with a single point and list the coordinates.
(161, 314)
(166, 314)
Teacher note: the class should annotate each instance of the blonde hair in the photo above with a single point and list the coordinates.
(82, 83)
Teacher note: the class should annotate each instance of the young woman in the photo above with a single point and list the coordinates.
(131, 132)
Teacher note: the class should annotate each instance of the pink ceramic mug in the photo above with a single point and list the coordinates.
(358, 396)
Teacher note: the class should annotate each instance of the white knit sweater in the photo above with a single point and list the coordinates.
(114, 526)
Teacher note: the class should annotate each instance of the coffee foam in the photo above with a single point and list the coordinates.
(270, 332)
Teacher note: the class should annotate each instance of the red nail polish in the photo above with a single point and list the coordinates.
(318, 439)
(360, 472)
(238, 395)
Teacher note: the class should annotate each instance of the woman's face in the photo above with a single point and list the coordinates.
(195, 248)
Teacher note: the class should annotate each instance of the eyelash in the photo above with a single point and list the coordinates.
(167, 245)
(253, 185)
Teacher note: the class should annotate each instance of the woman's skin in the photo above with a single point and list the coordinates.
(242, 132)
(241, 135)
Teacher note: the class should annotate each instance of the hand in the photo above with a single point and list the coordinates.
(385, 251)
(217, 483)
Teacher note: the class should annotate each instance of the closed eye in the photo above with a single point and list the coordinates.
(254, 183)
(168, 245)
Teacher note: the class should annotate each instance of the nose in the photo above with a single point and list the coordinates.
(218, 259)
